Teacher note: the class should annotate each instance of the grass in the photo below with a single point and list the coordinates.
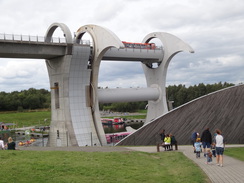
(136, 117)
(106, 167)
(235, 152)
(144, 111)
(36, 118)
(26, 118)
(58, 166)
(142, 116)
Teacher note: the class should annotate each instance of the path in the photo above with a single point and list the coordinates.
(231, 172)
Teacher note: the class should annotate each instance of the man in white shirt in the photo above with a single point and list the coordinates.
(1, 143)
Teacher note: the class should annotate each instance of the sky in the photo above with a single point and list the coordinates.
(213, 28)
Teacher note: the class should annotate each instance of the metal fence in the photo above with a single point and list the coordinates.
(39, 39)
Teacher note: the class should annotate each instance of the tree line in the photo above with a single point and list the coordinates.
(181, 94)
(41, 99)
(25, 100)
(178, 94)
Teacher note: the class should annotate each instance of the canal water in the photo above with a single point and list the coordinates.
(42, 142)
(108, 128)
(23, 138)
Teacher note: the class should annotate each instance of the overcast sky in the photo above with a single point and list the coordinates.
(213, 28)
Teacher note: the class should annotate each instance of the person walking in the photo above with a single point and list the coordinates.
(209, 156)
(206, 139)
(219, 148)
(193, 139)
(213, 148)
(1, 144)
(197, 146)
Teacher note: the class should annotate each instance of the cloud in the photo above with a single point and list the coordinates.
(213, 29)
(18, 74)
(106, 10)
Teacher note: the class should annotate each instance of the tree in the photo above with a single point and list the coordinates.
(38, 99)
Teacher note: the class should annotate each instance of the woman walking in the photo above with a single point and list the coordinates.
(219, 148)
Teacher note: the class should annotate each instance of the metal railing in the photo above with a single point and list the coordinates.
(38, 39)
(29, 38)
(57, 40)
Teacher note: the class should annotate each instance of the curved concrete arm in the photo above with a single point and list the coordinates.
(64, 28)
(170, 42)
(102, 37)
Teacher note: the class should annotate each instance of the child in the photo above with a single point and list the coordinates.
(209, 156)
(213, 149)
(197, 146)
(167, 142)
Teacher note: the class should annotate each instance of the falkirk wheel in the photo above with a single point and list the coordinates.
(75, 116)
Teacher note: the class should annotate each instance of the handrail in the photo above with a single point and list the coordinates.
(28, 38)
(39, 39)
(55, 40)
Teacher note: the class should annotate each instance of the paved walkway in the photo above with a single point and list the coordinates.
(232, 172)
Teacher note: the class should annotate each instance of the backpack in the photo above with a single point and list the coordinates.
(173, 140)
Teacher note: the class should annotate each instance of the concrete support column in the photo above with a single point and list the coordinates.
(58, 69)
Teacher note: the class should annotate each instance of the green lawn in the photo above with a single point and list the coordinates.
(142, 116)
(36, 118)
(96, 167)
(26, 118)
(235, 152)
